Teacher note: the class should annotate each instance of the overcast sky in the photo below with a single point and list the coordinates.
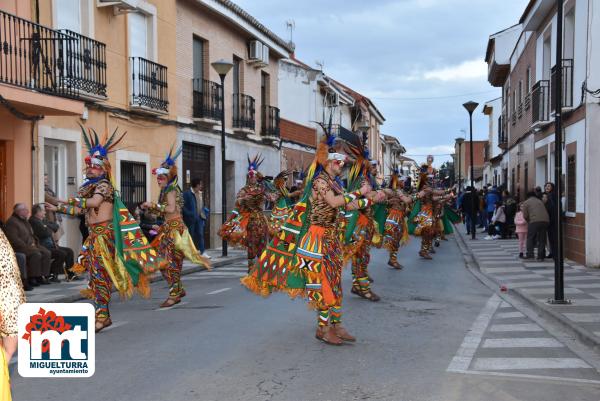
(418, 60)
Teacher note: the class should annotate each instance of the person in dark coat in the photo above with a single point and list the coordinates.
(552, 209)
(469, 207)
(21, 237)
(195, 214)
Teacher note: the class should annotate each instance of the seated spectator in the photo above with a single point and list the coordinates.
(44, 230)
(497, 223)
(149, 222)
(21, 237)
(22, 262)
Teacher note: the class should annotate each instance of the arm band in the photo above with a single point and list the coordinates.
(66, 209)
(364, 203)
(78, 202)
(351, 196)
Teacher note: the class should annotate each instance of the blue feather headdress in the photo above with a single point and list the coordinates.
(168, 166)
(254, 164)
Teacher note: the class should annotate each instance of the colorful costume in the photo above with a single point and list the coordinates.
(395, 230)
(305, 259)
(282, 206)
(173, 241)
(11, 297)
(116, 253)
(248, 226)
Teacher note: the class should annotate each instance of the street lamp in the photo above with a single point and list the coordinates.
(471, 106)
(222, 67)
(459, 141)
(559, 262)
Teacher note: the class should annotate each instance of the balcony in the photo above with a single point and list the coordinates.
(270, 121)
(61, 63)
(527, 102)
(208, 100)
(244, 113)
(148, 86)
(567, 85)
(540, 103)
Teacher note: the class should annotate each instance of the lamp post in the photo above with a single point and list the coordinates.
(222, 67)
(459, 141)
(471, 106)
(559, 262)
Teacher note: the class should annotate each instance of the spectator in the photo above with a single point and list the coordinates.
(534, 211)
(521, 231)
(51, 216)
(482, 213)
(491, 198)
(510, 208)
(62, 257)
(497, 222)
(22, 262)
(552, 209)
(468, 207)
(538, 192)
(148, 221)
(194, 214)
(20, 235)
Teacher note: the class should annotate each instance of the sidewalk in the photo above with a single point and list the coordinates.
(69, 291)
(533, 282)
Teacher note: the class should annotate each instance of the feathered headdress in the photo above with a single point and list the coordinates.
(98, 149)
(423, 176)
(279, 182)
(357, 146)
(395, 178)
(168, 166)
(254, 164)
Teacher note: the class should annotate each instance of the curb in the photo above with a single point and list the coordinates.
(158, 277)
(580, 333)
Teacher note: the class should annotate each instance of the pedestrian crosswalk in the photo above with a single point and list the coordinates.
(505, 342)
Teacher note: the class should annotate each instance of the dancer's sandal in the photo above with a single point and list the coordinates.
(171, 301)
(342, 333)
(425, 255)
(395, 265)
(328, 336)
(102, 323)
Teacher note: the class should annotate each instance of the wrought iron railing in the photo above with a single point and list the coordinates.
(244, 111)
(539, 102)
(208, 99)
(85, 67)
(64, 63)
(567, 85)
(270, 121)
(149, 85)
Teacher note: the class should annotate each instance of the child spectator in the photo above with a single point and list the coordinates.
(521, 231)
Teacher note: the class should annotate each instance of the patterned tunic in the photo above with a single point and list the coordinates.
(11, 290)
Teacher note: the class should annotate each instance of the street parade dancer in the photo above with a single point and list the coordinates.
(422, 220)
(306, 258)
(173, 241)
(248, 226)
(364, 226)
(11, 297)
(395, 229)
(116, 253)
(282, 206)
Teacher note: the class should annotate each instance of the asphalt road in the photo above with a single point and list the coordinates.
(437, 334)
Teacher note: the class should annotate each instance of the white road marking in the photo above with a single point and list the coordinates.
(218, 291)
(576, 302)
(508, 315)
(505, 304)
(524, 284)
(529, 363)
(512, 277)
(550, 291)
(464, 355)
(594, 285)
(584, 317)
(515, 327)
(495, 270)
(521, 343)
(532, 377)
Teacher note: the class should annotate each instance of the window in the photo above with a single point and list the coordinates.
(520, 92)
(68, 15)
(571, 184)
(139, 35)
(569, 34)
(237, 74)
(133, 184)
(512, 180)
(264, 88)
(198, 58)
(528, 80)
(547, 55)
